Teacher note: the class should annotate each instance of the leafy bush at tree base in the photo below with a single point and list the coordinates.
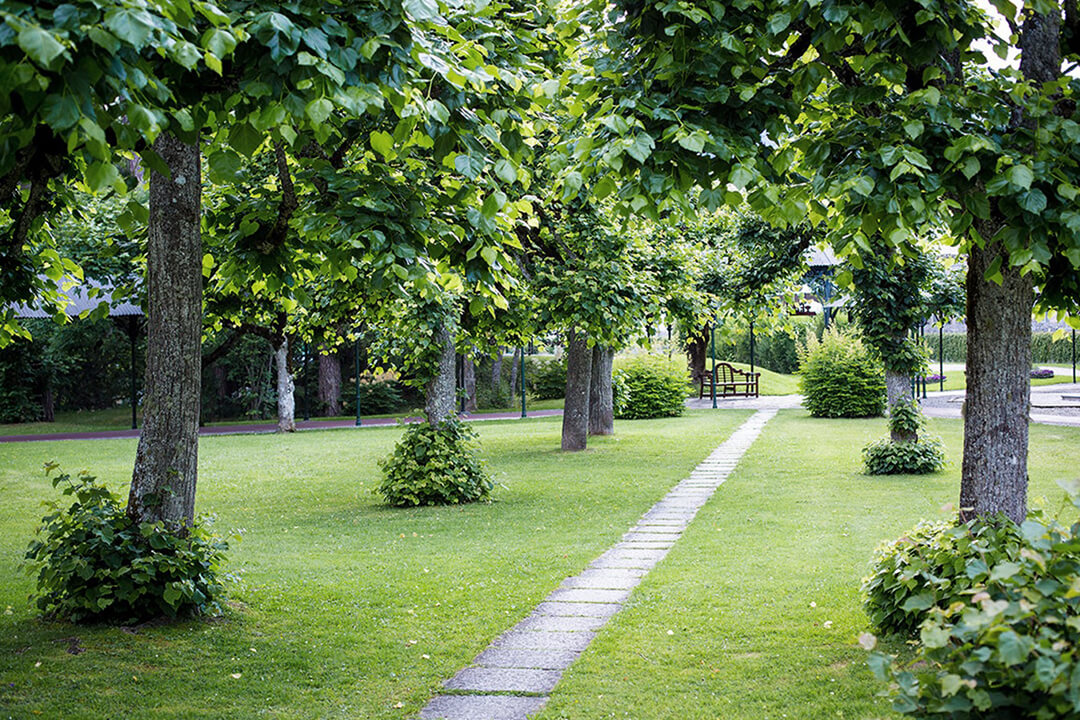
(917, 457)
(649, 388)
(933, 565)
(1008, 646)
(841, 377)
(885, 457)
(93, 562)
(434, 465)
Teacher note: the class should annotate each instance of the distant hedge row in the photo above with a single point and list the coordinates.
(1043, 348)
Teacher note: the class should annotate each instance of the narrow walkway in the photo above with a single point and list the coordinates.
(513, 677)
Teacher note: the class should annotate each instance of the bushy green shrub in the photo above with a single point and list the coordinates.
(1044, 349)
(93, 562)
(919, 457)
(545, 377)
(649, 387)
(933, 565)
(434, 465)
(1008, 647)
(841, 377)
(379, 396)
(885, 457)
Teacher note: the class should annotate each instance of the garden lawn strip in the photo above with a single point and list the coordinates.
(532, 656)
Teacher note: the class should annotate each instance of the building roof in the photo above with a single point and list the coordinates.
(79, 300)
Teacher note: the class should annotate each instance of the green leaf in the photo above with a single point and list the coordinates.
(971, 167)
(1020, 176)
(382, 143)
(132, 26)
(101, 176)
(224, 164)
(642, 147)
(60, 111)
(421, 9)
(1012, 648)
(505, 171)
(319, 110)
(438, 111)
(245, 139)
(741, 176)
(1033, 201)
(913, 128)
(694, 142)
(39, 45)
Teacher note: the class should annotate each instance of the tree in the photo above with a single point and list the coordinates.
(897, 123)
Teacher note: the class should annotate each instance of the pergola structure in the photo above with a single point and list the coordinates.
(86, 297)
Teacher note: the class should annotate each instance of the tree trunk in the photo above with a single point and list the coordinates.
(496, 370)
(468, 381)
(330, 383)
(48, 404)
(515, 363)
(897, 388)
(439, 392)
(575, 424)
(994, 476)
(601, 402)
(286, 388)
(166, 462)
(697, 349)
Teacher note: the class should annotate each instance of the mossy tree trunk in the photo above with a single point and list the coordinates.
(468, 382)
(601, 402)
(166, 461)
(286, 387)
(575, 423)
(994, 476)
(330, 382)
(697, 350)
(439, 392)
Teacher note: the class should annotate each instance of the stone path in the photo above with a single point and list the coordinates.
(512, 678)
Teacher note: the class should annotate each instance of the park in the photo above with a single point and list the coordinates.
(479, 360)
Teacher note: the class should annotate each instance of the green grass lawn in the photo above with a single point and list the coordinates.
(120, 419)
(956, 380)
(755, 612)
(344, 608)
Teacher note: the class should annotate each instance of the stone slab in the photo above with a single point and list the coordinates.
(544, 640)
(481, 707)
(673, 531)
(663, 523)
(561, 623)
(582, 595)
(592, 609)
(623, 563)
(652, 555)
(642, 536)
(520, 680)
(501, 657)
(605, 579)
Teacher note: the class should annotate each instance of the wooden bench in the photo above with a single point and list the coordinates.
(730, 382)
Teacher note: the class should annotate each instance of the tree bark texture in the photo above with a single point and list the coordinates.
(468, 382)
(439, 392)
(515, 363)
(496, 370)
(330, 383)
(166, 461)
(994, 476)
(697, 350)
(286, 388)
(575, 424)
(601, 402)
(897, 388)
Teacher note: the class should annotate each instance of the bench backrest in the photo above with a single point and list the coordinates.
(728, 373)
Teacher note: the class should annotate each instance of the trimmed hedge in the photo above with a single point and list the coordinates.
(841, 377)
(545, 377)
(1043, 348)
(650, 387)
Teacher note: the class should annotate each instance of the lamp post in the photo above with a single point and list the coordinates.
(521, 380)
(751, 346)
(712, 334)
(357, 353)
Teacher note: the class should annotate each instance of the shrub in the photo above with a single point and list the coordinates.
(379, 396)
(650, 388)
(886, 457)
(841, 377)
(93, 562)
(1041, 373)
(919, 457)
(1007, 648)
(933, 565)
(546, 377)
(434, 465)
